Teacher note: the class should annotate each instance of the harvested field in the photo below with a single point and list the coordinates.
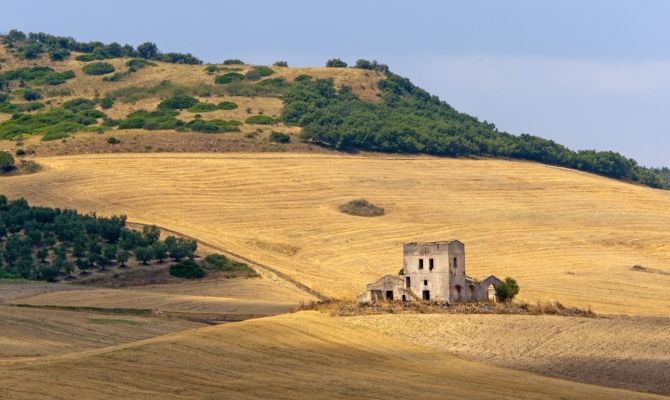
(28, 332)
(627, 352)
(294, 356)
(564, 235)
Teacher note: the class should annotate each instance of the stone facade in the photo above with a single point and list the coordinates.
(433, 271)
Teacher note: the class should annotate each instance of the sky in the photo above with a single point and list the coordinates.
(588, 74)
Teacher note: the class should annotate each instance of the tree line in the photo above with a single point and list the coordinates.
(42, 243)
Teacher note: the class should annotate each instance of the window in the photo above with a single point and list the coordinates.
(389, 295)
(420, 263)
(455, 262)
(425, 282)
(425, 295)
(431, 264)
(407, 281)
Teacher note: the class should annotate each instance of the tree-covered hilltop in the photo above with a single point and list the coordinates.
(58, 48)
(45, 243)
(410, 120)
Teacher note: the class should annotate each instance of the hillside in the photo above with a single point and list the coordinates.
(57, 87)
(565, 235)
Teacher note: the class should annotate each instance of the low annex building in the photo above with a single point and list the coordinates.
(432, 271)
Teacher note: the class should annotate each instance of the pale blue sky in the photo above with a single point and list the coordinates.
(588, 74)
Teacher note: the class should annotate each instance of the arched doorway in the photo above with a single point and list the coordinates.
(491, 293)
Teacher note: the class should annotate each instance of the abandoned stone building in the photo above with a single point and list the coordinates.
(432, 271)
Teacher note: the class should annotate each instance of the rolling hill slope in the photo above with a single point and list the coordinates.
(565, 235)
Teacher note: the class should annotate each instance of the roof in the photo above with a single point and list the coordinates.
(434, 242)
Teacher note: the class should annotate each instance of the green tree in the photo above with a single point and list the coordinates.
(6, 161)
(122, 257)
(143, 254)
(42, 254)
(336, 63)
(83, 264)
(147, 50)
(159, 251)
(151, 233)
(110, 252)
(508, 290)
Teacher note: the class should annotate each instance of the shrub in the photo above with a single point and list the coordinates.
(229, 77)
(31, 94)
(280, 137)
(507, 290)
(79, 104)
(98, 68)
(6, 161)
(336, 63)
(371, 65)
(233, 61)
(20, 152)
(207, 107)
(280, 64)
(56, 54)
(113, 140)
(258, 73)
(227, 105)
(362, 208)
(260, 120)
(303, 78)
(219, 262)
(57, 78)
(106, 103)
(138, 63)
(212, 68)
(55, 135)
(159, 119)
(178, 102)
(213, 126)
(188, 269)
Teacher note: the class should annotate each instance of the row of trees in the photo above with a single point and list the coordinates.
(361, 64)
(45, 243)
(33, 45)
(410, 120)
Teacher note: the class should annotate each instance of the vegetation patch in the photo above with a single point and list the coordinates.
(257, 73)
(410, 120)
(362, 208)
(11, 108)
(260, 120)
(53, 124)
(133, 65)
(188, 269)
(279, 137)
(229, 77)
(7, 162)
(38, 75)
(233, 61)
(98, 68)
(233, 269)
(207, 107)
(213, 126)
(178, 102)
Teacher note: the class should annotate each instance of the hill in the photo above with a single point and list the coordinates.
(295, 356)
(56, 87)
(565, 235)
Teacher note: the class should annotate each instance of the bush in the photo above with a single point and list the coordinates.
(212, 68)
(233, 61)
(6, 161)
(371, 65)
(258, 73)
(57, 78)
(178, 102)
(138, 63)
(188, 269)
(113, 140)
(31, 94)
(227, 105)
(280, 137)
(507, 290)
(361, 208)
(213, 126)
(302, 78)
(207, 107)
(79, 104)
(88, 57)
(336, 63)
(280, 64)
(98, 68)
(106, 103)
(20, 152)
(56, 54)
(219, 262)
(260, 120)
(229, 77)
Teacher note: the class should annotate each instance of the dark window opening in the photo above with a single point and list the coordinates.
(420, 263)
(455, 262)
(431, 264)
(426, 294)
(389, 295)
(404, 298)
(425, 282)
(407, 281)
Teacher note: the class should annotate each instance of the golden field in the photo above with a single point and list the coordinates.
(306, 355)
(565, 235)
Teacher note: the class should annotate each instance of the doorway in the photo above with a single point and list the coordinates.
(389, 295)
(426, 295)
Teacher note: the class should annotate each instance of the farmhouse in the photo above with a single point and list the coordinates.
(432, 271)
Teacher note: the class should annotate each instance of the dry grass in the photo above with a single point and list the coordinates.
(352, 308)
(629, 352)
(295, 356)
(564, 235)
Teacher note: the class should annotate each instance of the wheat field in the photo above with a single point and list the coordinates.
(564, 235)
(306, 355)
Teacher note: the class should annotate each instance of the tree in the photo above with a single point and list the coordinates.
(42, 254)
(83, 264)
(6, 161)
(507, 290)
(143, 254)
(159, 251)
(151, 233)
(336, 63)
(122, 257)
(110, 252)
(147, 50)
